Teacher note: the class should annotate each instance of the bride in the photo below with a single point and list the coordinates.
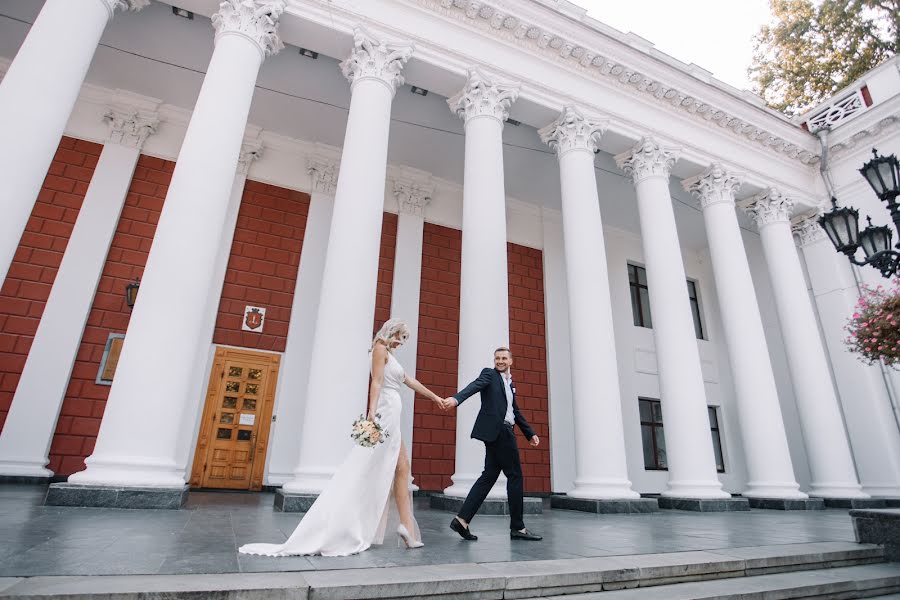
(352, 511)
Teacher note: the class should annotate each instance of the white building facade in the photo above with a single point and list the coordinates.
(282, 175)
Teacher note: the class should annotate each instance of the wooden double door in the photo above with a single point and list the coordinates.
(237, 417)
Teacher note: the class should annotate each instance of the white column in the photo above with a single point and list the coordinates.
(37, 95)
(830, 461)
(412, 198)
(866, 404)
(156, 366)
(484, 288)
(600, 467)
(769, 468)
(251, 150)
(294, 377)
(336, 393)
(689, 451)
(31, 423)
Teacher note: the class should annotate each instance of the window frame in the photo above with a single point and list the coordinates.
(696, 309)
(654, 426)
(105, 358)
(634, 292)
(716, 432)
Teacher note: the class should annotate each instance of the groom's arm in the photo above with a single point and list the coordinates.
(473, 388)
(521, 422)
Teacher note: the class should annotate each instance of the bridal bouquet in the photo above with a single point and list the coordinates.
(368, 433)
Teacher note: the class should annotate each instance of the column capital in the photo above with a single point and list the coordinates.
(770, 206)
(573, 131)
(648, 159)
(323, 173)
(113, 5)
(372, 58)
(256, 20)
(808, 230)
(250, 151)
(715, 185)
(130, 126)
(412, 195)
(483, 96)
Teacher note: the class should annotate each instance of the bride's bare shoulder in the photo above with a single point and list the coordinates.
(380, 352)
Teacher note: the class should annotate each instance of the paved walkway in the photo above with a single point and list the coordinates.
(203, 538)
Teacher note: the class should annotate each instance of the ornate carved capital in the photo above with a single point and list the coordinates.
(113, 5)
(412, 196)
(250, 152)
(714, 186)
(648, 159)
(808, 230)
(572, 131)
(376, 59)
(130, 126)
(256, 20)
(482, 97)
(323, 174)
(770, 206)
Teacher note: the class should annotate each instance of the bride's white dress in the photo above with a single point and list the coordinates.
(352, 512)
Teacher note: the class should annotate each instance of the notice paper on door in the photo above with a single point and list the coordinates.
(247, 419)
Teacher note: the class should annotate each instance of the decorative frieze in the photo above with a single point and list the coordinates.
(713, 186)
(543, 41)
(648, 159)
(572, 131)
(323, 174)
(130, 126)
(412, 196)
(770, 206)
(372, 58)
(257, 20)
(484, 97)
(808, 230)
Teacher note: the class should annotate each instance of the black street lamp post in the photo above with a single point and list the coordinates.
(842, 224)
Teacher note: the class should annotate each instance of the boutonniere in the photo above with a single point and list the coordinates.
(512, 387)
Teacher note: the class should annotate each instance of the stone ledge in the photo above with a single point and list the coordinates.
(287, 502)
(703, 504)
(96, 496)
(787, 503)
(491, 506)
(853, 503)
(879, 527)
(28, 479)
(623, 506)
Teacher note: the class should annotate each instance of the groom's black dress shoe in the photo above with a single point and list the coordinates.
(520, 535)
(463, 532)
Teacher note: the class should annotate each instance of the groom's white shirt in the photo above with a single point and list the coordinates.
(507, 379)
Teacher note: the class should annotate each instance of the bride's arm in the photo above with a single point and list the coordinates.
(420, 389)
(379, 357)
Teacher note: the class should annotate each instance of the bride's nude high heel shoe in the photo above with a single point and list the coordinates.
(407, 538)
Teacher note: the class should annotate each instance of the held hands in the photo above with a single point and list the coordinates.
(447, 403)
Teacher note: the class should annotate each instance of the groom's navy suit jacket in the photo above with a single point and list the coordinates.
(493, 406)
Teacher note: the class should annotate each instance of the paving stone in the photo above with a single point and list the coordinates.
(532, 506)
(704, 505)
(631, 506)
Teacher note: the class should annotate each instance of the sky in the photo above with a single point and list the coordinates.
(713, 34)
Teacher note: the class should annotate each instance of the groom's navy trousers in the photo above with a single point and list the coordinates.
(501, 450)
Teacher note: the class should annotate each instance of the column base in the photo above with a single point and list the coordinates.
(704, 504)
(491, 506)
(32, 470)
(97, 496)
(787, 503)
(855, 502)
(604, 506)
(25, 479)
(288, 502)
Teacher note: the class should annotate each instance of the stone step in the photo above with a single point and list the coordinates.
(508, 580)
(865, 581)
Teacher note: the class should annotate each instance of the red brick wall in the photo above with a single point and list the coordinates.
(85, 401)
(434, 431)
(434, 438)
(528, 345)
(385, 270)
(31, 274)
(262, 268)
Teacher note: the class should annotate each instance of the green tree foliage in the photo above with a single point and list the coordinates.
(813, 48)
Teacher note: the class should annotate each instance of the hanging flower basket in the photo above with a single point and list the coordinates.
(873, 332)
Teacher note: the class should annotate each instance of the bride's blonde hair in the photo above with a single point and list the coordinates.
(390, 328)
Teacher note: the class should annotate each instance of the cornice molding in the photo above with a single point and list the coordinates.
(541, 40)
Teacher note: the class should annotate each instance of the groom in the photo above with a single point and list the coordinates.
(494, 426)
